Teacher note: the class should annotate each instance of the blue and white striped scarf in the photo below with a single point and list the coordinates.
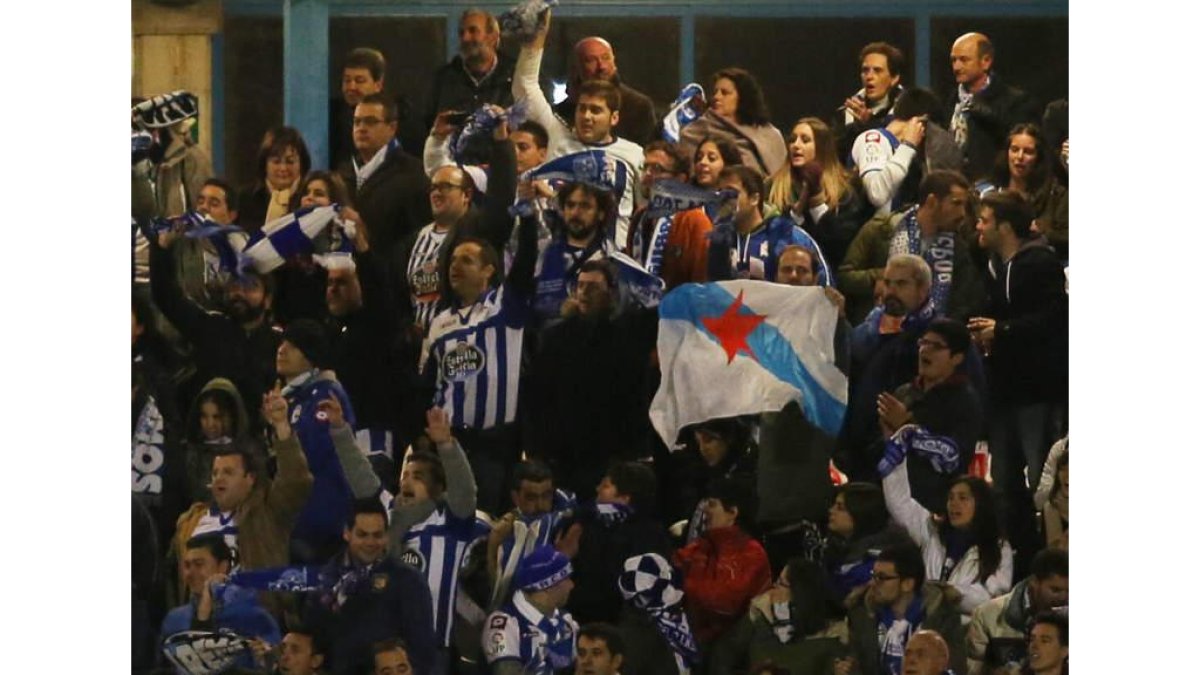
(229, 241)
(939, 255)
(299, 234)
(649, 583)
(667, 198)
(687, 108)
(482, 122)
(596, 168)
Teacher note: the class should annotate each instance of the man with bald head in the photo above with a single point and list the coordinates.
(595, 60)
(982, 109)
(926, 654)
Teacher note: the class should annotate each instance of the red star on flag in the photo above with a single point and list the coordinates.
(731, 329)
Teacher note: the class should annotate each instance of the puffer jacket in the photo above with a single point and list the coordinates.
(921, 527)
(753, 640)
(941, 614)
(1001, 619)
(722, 571)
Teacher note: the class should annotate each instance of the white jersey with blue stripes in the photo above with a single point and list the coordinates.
(436, 548)
(476, 352)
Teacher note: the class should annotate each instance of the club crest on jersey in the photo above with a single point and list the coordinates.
(424, 280)
(463, 362)
(413, 559)
(379, 582)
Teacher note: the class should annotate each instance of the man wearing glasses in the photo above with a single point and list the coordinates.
(387, 185)
(897, 603)
(936, 418)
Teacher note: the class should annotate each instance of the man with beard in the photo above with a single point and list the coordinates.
(584, 211)
(238, 343)
(883, 355)
(580, 429)
(595, 60)
(479, 74)
(928, 229)
(996, 636)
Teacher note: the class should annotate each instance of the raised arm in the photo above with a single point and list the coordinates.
(359, 474)
(460, 481)
(293, 480)
(181, 311)
(525, 86)
(882, 172)
(903, 508)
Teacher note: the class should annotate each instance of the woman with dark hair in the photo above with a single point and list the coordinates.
(713, 153)
(799, 624)
(738, 111)
(282, 160)
(817, 191)
(216, 420)
(1026, 166)
(859, 528)
(300, 284)
(964, 548)
(718, 449)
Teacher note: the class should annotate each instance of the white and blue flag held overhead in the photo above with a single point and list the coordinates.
(745, 347)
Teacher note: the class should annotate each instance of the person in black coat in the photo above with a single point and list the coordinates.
(595, 60)
(943, 410)
(387, 185)
(589, 382)
(1025, 339)
(374, 598)
(983, 108)
(621, 524)
(238, 344)
(478, 74)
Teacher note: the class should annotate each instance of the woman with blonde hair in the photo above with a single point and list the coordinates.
(817, 191)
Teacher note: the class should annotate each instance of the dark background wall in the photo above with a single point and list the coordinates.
(807, 66)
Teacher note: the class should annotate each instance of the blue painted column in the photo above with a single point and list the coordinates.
(306, 74)
(218, 103)
(922, 57)
(687, 47)
(451, 34)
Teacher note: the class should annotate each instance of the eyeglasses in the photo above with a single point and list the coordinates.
(367, 121)
(655, 169)
(444, 187)
(881, 578)
(931, 344)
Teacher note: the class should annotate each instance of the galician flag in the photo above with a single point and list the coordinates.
(745, 347)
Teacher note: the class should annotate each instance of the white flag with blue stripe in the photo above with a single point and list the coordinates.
(745, 347)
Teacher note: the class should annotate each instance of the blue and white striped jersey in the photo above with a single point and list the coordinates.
(436, 548)
(475, 354)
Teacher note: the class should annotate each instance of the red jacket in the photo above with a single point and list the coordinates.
(685, 256)
(722, 572)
